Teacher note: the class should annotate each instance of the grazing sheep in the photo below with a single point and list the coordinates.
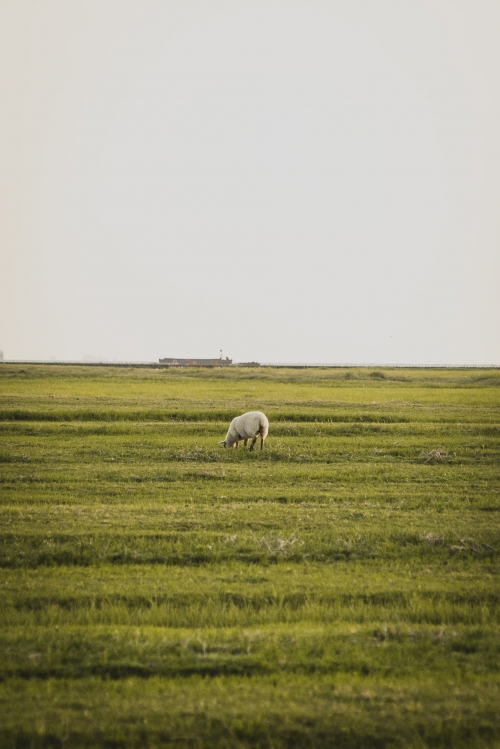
(247, 427)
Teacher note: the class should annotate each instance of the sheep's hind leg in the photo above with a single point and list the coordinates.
(254, 440)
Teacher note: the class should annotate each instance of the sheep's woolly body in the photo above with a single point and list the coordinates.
(249, 426)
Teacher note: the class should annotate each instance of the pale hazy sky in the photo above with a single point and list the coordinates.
(313, 181)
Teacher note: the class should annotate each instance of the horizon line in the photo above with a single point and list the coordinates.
(327, 365)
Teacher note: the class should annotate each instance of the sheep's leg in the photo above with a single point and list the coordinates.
(236, 444)
(245, 442)
(261, 442)
(254, 440)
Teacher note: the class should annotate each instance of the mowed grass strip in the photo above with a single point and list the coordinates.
(462, 591)
(321, 442)
(376, 649)
(268, 542)
(339, 588)
(279, 711)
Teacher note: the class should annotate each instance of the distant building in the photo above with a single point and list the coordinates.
(197, 362)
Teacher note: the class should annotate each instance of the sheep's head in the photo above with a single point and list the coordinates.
(223, 443)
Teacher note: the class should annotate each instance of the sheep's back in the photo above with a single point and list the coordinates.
(250, 424)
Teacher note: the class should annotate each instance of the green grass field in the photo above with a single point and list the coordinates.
(339, 589)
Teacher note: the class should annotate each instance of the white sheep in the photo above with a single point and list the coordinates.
(247, 427)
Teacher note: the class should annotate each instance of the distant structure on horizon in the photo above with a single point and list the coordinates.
(197, 362)
(220, 362)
